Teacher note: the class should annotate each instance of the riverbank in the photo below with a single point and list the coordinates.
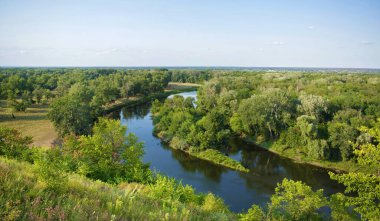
(117, 105)
(211, 155)
(339, 167)
(216, 157)
(26, 197)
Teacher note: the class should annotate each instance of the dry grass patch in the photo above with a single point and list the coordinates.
(33, 122)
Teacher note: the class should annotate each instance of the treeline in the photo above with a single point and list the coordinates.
(79, 96)
(312, 115)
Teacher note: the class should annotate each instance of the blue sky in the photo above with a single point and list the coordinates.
(283, 33)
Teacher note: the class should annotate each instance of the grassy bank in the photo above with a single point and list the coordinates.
(339, 166)
(211, 155)
(219, 158)
(34, 122)
(25, 197)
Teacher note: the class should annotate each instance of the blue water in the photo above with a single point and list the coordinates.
(239, 190)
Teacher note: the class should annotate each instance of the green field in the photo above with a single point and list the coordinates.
(33, 122)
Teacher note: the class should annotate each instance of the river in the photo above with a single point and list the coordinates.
(239, 190)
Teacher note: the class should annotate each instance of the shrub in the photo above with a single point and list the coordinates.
(255, 213)
(167, 189)
(214, 204)
(13, 145)
(51, 169)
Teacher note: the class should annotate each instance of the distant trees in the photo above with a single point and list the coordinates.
(314, 116)
(264, 114)
(313, 105)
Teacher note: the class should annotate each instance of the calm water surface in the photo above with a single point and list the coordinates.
(239, 190)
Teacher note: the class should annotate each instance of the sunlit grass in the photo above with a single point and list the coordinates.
(25, 197)
(219, 158)
(33, 122)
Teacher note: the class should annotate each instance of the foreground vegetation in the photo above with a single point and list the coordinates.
(66, 184)
(25, 197)
(96, 172)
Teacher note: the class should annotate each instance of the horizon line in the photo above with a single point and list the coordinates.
(187, 67)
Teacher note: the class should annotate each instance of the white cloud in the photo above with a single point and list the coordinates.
(278, 43)
(310, 27)
(367, 43)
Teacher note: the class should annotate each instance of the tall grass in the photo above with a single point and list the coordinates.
(25, 197)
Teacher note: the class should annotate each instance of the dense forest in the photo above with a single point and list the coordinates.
(313, 116)
(95, 169)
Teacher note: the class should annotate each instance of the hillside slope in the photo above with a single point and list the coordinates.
(25, 197)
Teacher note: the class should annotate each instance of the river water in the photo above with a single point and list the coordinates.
(239, 190)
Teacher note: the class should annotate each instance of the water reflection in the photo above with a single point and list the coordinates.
(239, 190)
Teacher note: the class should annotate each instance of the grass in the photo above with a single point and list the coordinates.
(25, 197)
(211, 155)
(293, 154)
(338, 166)
(219, 158)
(33, 122)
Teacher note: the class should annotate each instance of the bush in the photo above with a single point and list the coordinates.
(295, 200)
(214, 204)
(13, 145)
(255, 213)
(167, 189)
(51, 169)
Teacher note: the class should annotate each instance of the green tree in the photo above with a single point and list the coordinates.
(294, 200)
(111, 156)
(340, 136)
(70, 114)
(14, 145)
(265, 114)
(365, 186)
(313, 105)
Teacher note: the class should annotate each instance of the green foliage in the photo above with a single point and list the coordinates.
(366, 187)
(168, 190)
(217, 157)
(313, 105)
(340, 209)
(255, 213)
(24, 198)
(14, 145)
(295, 200)
(341, 136)
(108, 154)
(213, 203)
(51, 169)
(265, 114)
(71, 114)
